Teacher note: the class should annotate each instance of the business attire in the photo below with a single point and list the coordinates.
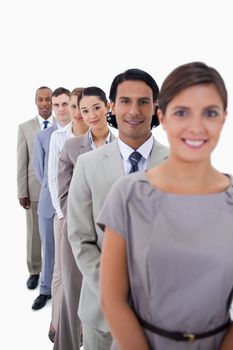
(68, 330)
(45, 210)
(57, 141)
(94, 174)
(179, 248)
(29, 187)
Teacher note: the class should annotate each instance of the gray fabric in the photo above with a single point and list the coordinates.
(180, 257)
(47, 239)
(45, 209)
(40, 164)
(68, 330)
(95, 339)
(29, 186)
(94, 174)
(33, 240)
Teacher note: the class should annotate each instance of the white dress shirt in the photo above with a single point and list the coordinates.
(92, 143)
(144, 149)
(57, 141)
(41, 121)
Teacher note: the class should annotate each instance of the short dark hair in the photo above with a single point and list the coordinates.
(42, 88)
(187, 75)
(138, 75)
(60, 91)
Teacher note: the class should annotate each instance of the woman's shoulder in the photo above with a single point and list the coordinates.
(229, 190)
(135, 184)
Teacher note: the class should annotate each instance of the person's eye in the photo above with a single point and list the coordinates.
(73, 106)
(84, 111)
(97, 108)
(143, 102)
(181, 113)
(211, 113)
(124, 101)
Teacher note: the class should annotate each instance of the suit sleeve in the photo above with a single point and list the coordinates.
(22, 164)
(81, 228)
(38, 159)
(65, 172)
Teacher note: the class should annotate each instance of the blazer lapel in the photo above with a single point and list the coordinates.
(36, 124)
(112, 161)
(157, 155)
(84, 145)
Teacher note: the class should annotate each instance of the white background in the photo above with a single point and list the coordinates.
(80, 43)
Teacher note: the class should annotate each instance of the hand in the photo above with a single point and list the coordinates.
(24, 202)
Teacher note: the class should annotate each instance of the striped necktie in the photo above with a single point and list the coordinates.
(134, 159)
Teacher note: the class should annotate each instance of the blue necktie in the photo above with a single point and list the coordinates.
(45, 124)
(134, 159)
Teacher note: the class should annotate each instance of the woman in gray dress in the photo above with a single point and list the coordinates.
(167, 262)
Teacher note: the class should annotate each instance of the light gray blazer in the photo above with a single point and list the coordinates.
(71, 150)
(94, 174)
(27, 183)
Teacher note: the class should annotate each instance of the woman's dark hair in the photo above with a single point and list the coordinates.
(133, 74)
(187, 75)
(95, 91)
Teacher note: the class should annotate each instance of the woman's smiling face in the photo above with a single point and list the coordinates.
(193, 122)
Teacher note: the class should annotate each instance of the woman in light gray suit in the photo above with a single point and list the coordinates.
(94, 107)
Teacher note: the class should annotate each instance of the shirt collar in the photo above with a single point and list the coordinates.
(41, 120)
(90, 138)
(144, 149)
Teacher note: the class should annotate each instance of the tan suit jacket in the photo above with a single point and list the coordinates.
(27, 183)
(93, 176)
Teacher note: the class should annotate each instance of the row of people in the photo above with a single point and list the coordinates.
(140, 306)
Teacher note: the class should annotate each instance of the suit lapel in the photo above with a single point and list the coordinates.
(157, 155)
(84, 145)
(112, 162)
(36, 124)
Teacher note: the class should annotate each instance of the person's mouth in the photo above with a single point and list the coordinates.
(194, 143)
(133, 121)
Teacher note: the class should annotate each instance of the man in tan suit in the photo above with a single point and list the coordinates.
(133, 97)
(27, 185)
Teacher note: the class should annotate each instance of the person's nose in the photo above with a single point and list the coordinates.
(196, 125)
(46, 103)
(92, 115)
(134, 108)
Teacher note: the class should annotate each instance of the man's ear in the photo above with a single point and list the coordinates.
(112, 107)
